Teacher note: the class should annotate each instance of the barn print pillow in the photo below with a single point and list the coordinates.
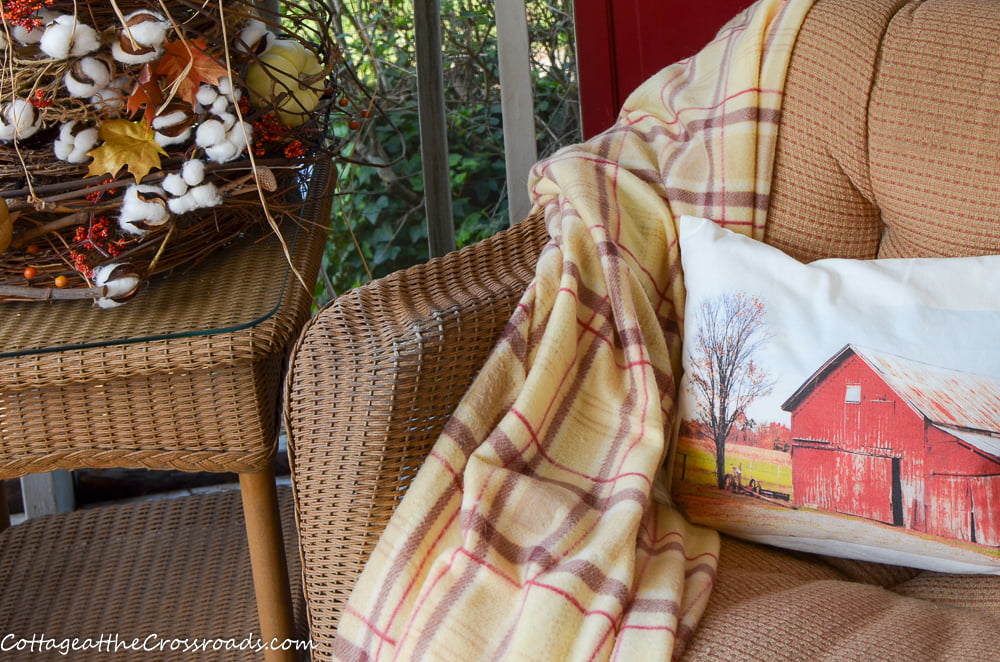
(844, 407)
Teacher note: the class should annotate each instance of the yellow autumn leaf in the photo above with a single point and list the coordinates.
(126, 145)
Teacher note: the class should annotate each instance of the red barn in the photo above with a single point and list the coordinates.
(901, 442)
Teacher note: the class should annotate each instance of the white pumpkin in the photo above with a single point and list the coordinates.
(280, 76)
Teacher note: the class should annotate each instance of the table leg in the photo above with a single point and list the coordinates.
(46, 493)
(267, 560)
(4, 512)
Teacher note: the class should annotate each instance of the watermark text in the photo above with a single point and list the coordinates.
(115, 643)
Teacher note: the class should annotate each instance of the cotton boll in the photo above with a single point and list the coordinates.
(219, 106)
(226, 89)
(222, 152)
(238, 135)
(254, 38)
(147, 28)
(120, 282)
(182, 204)
(206, 195)
(63, 144)
(206, 95)
(20, 119)
(168, 140)
(197, 197)
(62, 149)
(73, 143)
(109, 101)
(24, 36)
(127, 53)
(57, 39)
(228, 120)
(193, 172)
(175, 185)
(85, 141)
(88, 76)
(210, 132)
(175, 124)
(170, 118)
(143, 207)
(66, 36)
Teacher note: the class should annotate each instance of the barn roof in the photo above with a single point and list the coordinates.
(950, 399)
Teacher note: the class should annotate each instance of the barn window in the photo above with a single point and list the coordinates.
(852, 396)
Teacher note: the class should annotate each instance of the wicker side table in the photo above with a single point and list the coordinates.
(186, 376)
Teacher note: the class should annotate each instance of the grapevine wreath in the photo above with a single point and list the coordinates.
(137, 136)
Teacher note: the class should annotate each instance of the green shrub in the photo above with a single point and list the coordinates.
(378, 222)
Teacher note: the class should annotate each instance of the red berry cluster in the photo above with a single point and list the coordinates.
(295, 149)
(268, 131)
(96, 196)
(39, 100)
(94, 241)
(22, 12)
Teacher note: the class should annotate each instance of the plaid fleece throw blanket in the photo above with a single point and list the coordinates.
(531, 533)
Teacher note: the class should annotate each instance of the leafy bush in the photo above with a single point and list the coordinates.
(378, 222)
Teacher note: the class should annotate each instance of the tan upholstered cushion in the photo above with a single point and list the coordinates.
(934, 133)
(889, 145)
(772, 606)
(822, 204)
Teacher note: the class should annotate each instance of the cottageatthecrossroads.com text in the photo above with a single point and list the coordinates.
(115, 643)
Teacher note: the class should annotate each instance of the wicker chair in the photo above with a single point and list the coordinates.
(376, 376)
(187, 377)
(883, 151)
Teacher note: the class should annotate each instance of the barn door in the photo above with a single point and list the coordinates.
(897, 493)
(837, 481)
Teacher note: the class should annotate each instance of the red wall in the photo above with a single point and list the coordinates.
(621, 43)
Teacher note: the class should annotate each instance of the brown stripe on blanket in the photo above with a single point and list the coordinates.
(590, 498)
(654, 606)
(407, 552)
(713, 199)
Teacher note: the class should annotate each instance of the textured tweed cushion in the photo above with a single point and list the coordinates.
(889, 135)
(777, 606)
(888, 147)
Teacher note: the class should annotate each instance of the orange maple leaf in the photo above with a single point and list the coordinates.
(186, 65)
(126, 145)
(146, 93)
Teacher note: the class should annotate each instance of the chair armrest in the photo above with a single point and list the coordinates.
(374, 377)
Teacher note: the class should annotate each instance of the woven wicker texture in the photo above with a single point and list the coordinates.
(175, 568)
(190, 400)
(376, 373)
(397, 354)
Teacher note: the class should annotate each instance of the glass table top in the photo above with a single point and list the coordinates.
(237, 287)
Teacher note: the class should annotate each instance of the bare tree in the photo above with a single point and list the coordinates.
(724, 374)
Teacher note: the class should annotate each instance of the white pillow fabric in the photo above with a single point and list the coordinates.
(856, 402)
